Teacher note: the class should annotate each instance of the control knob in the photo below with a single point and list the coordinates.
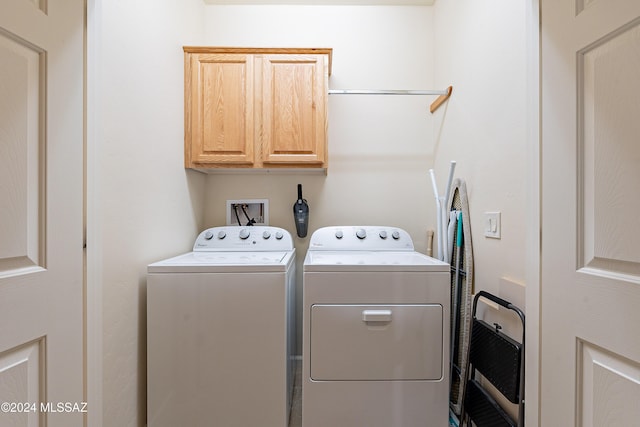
(279, 235)
(222, 234)
(266, 234)
(395, 235)
(339, 234)
(244, 234)
(383, 234)
(361, 233)
(208, 235)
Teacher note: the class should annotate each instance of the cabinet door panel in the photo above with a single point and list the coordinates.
(294, 111)
(222, 127)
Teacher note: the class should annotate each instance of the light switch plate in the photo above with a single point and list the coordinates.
(492, 225)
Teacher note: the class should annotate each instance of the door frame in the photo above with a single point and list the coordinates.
(93, 232)
(533, 228)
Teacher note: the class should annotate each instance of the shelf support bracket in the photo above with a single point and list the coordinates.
(440, 100)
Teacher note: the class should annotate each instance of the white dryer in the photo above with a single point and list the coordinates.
(376, 331)
(220, 331)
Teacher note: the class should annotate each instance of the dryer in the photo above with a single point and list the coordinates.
(376, 331)
(220, 331)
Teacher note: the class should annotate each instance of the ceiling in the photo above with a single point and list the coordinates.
(326, 2)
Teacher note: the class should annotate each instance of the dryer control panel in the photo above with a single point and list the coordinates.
(361, 238)
(232, 238)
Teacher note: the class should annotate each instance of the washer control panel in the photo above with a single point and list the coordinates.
(233, 238)
(361, 238)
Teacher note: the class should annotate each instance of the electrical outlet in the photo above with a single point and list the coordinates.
(248, 211)
(492, 225)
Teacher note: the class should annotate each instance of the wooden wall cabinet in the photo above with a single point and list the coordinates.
(259, 108)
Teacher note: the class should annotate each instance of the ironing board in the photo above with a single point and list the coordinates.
(458, 201)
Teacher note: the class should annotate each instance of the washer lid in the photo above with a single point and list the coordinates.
(372, 261)
(225, 262)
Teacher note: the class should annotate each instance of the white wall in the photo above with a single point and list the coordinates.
(380, 147)
(481, 49)
(147, 206)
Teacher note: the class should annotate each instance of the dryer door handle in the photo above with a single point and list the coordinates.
(376, 315)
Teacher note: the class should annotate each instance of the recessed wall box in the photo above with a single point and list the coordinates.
(248, 212)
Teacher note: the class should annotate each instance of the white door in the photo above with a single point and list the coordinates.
(590, 314)
(41, 213)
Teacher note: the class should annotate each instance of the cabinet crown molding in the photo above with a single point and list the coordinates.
(263, 50)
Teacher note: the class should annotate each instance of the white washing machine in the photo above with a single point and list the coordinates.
(376, 331)
(220, 331)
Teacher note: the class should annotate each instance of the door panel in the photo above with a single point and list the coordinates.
(294, 110)
(377, 343)
(609, 152)
(221, 97)
(590, 258)
(41, 208)
(21, 152)
(605, 383)
(22, 381)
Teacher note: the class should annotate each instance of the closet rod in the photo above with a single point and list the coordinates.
(444, 94)
(386, 92)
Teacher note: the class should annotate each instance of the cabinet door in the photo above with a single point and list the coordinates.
(220, 104)
(294, 109)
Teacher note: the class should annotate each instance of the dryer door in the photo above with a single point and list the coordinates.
(376, 342)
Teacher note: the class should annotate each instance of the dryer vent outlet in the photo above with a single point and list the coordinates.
(245, 212)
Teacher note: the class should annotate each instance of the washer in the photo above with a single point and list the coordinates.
(376, 331)
(220, 331)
